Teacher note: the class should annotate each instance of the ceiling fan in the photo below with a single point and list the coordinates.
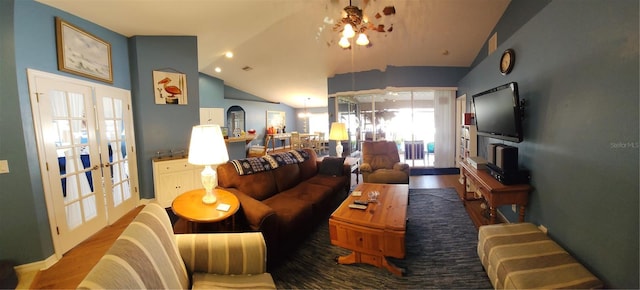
(354, 22)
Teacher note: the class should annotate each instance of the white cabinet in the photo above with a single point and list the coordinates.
(171, 177)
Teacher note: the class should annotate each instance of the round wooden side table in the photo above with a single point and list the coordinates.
(190, 207)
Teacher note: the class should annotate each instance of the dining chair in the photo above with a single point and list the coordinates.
(320, 144)
(259, 151)
(296, 143)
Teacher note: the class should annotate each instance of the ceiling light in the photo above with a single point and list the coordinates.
(229, 54)
(354, 22)
(218, 69)
(344, 42)
(362, 39)
(348, 31)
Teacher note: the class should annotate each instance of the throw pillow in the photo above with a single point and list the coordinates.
(331, 166)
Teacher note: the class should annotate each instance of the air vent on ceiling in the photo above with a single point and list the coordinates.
(247, 68)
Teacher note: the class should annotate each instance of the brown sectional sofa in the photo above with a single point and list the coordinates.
(286, 202)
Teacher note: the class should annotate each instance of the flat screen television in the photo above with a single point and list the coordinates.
(498, 113)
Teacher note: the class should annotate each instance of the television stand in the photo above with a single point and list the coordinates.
(494, 192)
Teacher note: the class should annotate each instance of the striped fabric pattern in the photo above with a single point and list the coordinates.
(212, 281)
(144, 256)
(147, 255)
(520, 256)
(224, 254)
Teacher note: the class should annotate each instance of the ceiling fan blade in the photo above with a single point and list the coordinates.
(389, 10)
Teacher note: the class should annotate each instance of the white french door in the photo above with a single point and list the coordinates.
(117, 151)
(85, 143)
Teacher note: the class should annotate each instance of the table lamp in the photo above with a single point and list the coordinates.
(207, 147)
(338, 132)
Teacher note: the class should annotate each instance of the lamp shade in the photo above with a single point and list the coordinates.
(362, 39)
(338, 132)
(207, 146)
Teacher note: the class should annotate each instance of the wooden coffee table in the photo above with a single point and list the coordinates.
(375, 233)
(190, 207)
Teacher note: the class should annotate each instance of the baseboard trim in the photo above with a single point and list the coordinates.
(145, 201)
(502, 218)
(434, 171)
(36, 266)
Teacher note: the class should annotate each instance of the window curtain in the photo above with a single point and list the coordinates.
(445, 129)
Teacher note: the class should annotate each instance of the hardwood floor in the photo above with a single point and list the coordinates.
(74, 265)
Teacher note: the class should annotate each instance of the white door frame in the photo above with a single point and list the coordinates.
(64, 238)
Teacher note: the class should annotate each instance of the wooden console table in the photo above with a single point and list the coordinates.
(494, 192)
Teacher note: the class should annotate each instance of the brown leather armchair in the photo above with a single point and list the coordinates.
(381, 163)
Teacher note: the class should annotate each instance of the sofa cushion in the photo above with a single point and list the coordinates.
(291, 213)
(260, 186)
(287, 176)
(248, 248)
(315, 194)
(331, 166)
(381, 161)
(212, 281)
(309, 168)
(144, 255)
(336, 183)
(388, 176)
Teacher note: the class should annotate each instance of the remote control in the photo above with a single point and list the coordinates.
(357, 206)
(362, 202)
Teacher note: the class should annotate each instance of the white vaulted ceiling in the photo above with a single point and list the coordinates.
(291, 45)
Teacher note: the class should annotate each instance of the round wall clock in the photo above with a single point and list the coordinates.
(507, 61)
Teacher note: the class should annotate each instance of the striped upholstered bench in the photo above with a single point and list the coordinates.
(147, 255)
(520, 256)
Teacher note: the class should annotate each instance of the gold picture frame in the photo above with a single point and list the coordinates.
(276, 119)
(82, 53)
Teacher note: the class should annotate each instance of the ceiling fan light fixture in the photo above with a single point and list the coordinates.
(362, 39)
(355, 22)
(348, 31)
(344, 42)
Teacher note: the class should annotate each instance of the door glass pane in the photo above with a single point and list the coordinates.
(73, 155)
(89, 204)
(59, 104)
(63, 130)
(76, 105)
(74, 215)
(115, 135)
(79, 132)
(118, 108)
(117, 195)
(108, 108)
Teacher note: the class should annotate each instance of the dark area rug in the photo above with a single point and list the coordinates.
(440, 253)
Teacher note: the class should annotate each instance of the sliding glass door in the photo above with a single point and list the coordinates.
(416, 120)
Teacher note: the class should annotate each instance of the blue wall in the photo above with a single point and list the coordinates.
(413, 76)
(577, 67)
(162, 127)
(28, 41)
(24, 226)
